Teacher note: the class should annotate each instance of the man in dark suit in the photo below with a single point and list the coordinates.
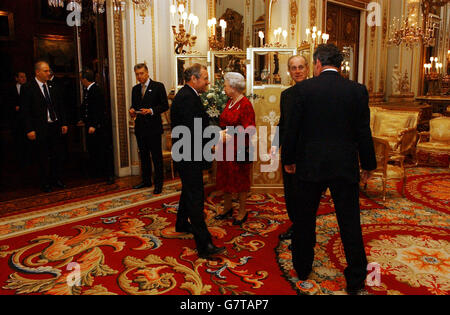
(187, 108)
(95, 117)
(299, 71)
(329, 129)
(45, 123)
(149, 101)
(20, 143)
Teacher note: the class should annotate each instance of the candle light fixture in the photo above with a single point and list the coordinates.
(186, 32)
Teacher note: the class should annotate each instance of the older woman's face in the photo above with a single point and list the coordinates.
(229, 91)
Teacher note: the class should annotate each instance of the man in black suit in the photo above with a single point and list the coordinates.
(329, 129)
(299, 71)
(45, 123)
(19, 137)
(187, 107)
(95, 117)
(149, 101)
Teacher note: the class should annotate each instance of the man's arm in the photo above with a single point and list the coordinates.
(293, 128)
(364, 134)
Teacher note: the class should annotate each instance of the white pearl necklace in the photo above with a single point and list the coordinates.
(235, 102)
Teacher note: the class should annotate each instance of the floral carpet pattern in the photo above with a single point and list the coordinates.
(126, 244)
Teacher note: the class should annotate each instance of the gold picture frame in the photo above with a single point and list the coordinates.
(6, 26)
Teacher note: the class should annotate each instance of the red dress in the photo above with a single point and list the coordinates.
(233, 177)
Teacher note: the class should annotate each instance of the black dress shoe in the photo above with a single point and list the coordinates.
(240, 222)
(225, 215)
(157, 190)
(59, 184)
(287, 236)
(210, 250)
(46, 188)
(184, 229)
(357, 291)
(110, 180)
(142, 185)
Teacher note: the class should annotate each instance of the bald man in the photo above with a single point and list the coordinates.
(299, 71)
(45, 123)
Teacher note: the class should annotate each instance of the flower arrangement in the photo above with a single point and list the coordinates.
(215, 100)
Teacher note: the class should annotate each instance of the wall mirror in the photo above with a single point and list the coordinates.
(244, 20)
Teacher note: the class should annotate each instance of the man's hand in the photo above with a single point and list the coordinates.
(64, 130)
(17, 108)
(91, 130)
(147, 111)
(290, 169)
(32, 135)
(132, 113)
(365, 176)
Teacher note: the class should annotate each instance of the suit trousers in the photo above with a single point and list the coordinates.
(290, 193)
(346, 199)
(50, 154)
(101, 153)
(150, 148)
(191, 205)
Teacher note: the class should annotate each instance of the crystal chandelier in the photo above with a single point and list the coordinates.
(186, 34)
(98, 6)
(143, 6)
(401, 32)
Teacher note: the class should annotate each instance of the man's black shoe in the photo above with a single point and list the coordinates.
(288, 235)
(46, 188)
(184, 229)
(110, 180)
(142, 185)
(360, 291)
(210, 250)
(59, 184)
(303, 276)
(157, 190)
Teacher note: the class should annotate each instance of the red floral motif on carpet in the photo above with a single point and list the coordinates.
(431, 190)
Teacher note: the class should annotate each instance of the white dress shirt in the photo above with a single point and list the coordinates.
(18, 86)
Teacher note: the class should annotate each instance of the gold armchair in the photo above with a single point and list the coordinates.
(399, 129)
(384, 170)
(433, 148)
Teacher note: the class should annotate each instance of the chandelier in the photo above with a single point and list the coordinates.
(98, 6)
(143, 6)
(316, 37)
(402, 32)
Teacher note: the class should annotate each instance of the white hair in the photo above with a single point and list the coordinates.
(235, 80)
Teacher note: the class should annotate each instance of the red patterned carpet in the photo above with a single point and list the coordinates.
(130, 247)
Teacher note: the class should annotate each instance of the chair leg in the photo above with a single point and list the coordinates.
(171, 168)
(384, 189)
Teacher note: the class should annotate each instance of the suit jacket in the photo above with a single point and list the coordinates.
(93, 109)
(155, 98)
(34, 108)
(186, 107)
(286, 100)
(329, 129)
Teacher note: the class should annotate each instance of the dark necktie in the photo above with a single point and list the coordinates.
(50, 108)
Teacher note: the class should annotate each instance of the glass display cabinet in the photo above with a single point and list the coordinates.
(220, 62)
(267, 77)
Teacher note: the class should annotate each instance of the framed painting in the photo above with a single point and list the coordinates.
(6, 26)
(59, 51)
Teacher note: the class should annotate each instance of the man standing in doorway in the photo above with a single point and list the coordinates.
(149, 101)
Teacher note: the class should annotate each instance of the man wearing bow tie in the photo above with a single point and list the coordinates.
(149, 101)
(45, 123)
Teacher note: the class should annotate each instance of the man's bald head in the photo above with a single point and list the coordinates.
(42, 71)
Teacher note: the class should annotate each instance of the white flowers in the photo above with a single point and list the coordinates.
(213, 112)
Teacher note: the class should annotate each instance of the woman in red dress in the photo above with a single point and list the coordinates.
(234, 176)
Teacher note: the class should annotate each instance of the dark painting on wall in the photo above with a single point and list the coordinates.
(58, 51)
(49, 14)
(6, 25)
